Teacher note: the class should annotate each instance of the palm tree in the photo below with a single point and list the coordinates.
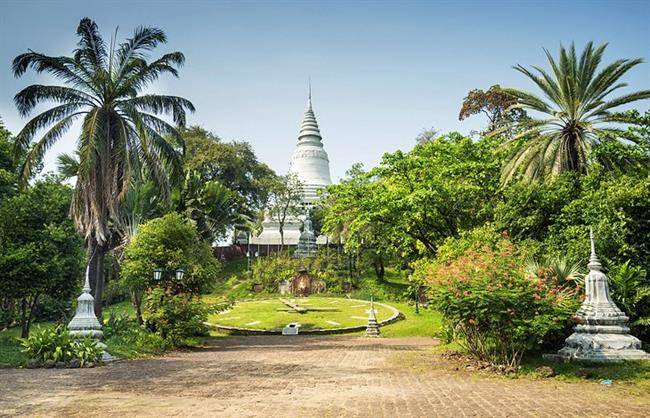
(575, 110)
(213, 206)
(121, 135)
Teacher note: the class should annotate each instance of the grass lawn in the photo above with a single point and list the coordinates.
(633, 375)
(10, 354)
(391, 291)
(426, 323)
(10, 348)
(120, 308)
(272, 314)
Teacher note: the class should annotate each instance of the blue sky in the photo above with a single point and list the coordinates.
(381, 71)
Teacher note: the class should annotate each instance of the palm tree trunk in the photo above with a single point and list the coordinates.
(573, 163)
(96, 273)
(99, 281)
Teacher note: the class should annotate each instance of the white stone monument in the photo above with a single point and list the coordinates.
(307, 243)
(309, 161)
(310, 164)
(602, 334)
(85, 323)
(372, 330)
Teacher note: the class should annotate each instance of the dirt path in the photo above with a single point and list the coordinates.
(299, 376)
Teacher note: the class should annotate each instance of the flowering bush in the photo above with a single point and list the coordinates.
(493, 307)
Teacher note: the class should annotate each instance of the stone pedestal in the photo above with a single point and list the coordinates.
(602, 334)
(372, 330)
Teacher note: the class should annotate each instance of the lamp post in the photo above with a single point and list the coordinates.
(178, 274)
(347, 253)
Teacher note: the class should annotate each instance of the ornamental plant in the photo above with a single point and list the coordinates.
(493, 308)
(56, 344)
(168, 242)
(176, 317)
(270, 271)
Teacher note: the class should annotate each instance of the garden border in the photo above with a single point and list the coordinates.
(396, 316)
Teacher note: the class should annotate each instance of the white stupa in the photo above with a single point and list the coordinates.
(309, 161)
(310, 164)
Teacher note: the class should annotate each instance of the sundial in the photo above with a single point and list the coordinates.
(294, 307)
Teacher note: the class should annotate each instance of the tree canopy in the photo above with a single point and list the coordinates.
(232, 164)
(414, 200)
(42, 255)
(122, 134)
(576, 108)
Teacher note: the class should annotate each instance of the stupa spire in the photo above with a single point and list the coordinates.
(309, 95)
(309, 160)
(309, 131)
(594, 261)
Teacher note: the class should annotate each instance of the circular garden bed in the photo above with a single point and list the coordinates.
(316, 315)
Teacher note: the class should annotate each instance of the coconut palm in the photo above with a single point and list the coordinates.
(575, 109)
(121, 131)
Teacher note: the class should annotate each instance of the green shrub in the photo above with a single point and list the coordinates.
(493, 308)
(58, 345)
(168, 242)
(135, 341)
(617, 208)
(630, 287)
(116, 324)
(269, 271)
(175, 317)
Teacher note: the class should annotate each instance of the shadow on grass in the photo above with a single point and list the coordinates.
(622, 371)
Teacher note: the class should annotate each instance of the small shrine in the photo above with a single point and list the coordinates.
(602, 333)
(307, 246)
(85, 323)
(372, 330)
(301, 284)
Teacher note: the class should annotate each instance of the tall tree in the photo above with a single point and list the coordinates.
(285, 201)
(576, 109)
(121, 132)
(494, 103)
(414, 200)
(349, 214)
(233, 164)
(41, 254)
(7, 165)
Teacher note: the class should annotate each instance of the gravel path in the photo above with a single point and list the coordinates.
(274, 376)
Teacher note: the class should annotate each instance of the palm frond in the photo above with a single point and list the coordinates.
(578, 109)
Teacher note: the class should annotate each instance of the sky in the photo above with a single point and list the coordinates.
(381, 71)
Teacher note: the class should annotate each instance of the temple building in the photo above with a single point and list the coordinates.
(309, 161)
(310, 164)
